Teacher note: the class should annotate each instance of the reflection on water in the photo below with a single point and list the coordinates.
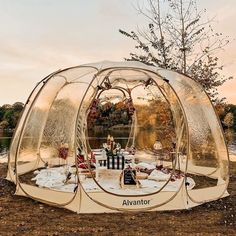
(98, 137)
(144, 138)
(5, 141)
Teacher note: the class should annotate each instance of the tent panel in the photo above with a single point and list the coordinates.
(206, 140)
(78, 74)
(117, 204)
(47, 196)
(13, 149)
(34, 123)
(208, 194)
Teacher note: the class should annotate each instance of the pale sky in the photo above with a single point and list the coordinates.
(38, 37)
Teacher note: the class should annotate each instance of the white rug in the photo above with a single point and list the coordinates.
(54, 178)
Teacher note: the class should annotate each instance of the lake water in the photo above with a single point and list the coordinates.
(5, 141)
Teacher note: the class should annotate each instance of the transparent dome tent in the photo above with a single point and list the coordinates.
(119, 136)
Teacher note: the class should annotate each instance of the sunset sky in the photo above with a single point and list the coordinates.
(39, 37)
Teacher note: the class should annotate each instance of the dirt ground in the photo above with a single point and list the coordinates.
(23, 216)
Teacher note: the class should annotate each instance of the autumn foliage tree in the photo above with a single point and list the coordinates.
(178, 38)
(229, 120)
(160, 120)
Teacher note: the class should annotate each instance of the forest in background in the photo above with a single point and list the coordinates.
(9, 115)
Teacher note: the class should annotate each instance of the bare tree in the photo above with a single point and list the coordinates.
(178, 38)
